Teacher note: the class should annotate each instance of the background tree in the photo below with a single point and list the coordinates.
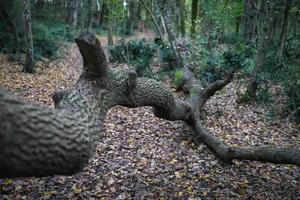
(194, 17)
(29, 63)
(72, 13)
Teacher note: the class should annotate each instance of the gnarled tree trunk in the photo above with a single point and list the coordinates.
(37, 141)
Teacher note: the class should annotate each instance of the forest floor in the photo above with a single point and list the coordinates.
(144, 157)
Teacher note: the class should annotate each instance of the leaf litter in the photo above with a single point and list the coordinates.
(144, 157)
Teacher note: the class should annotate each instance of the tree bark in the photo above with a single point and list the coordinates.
(194, 18)
(37, 141)
(29, 63)
(284, 30)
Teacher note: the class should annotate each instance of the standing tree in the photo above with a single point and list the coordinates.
(284, 29)
(266, 18)
(153, 19)
(182, 11)
(194, 18)
(90, 4)
(29, 63)
(163, 6)
(72, 13)
(250, 20)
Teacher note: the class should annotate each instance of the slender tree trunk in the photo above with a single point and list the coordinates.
(153, 20)
(296, 21)
(284, 30)
(29, 63)
(110, 40)
(90, 4)
(250, 20)
(163, 6)
(181, 7)
(72, 13)
(237, 25)
(267, 11)
(103, 13)
(194, 18)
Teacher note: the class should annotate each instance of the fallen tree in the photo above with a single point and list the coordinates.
(38, 141)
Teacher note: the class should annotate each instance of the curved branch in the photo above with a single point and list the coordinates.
(263, 153)
(212, 88)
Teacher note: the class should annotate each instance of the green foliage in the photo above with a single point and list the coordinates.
(178, 78)
(47, 38)
(220, 63)
(167, 54)
(6, 39)
(138, 53)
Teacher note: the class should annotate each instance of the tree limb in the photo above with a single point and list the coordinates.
(37, 141)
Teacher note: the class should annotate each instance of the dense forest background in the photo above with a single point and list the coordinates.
(225, 96)
(261, 38)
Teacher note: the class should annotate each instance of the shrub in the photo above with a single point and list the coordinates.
(47, 38)
(219, 64)
(292, 92)
(178, 78)
(138, 53)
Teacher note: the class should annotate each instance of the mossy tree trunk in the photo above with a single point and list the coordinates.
(37, 141)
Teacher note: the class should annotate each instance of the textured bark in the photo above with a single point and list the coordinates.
(37, 141)
(29, 63)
